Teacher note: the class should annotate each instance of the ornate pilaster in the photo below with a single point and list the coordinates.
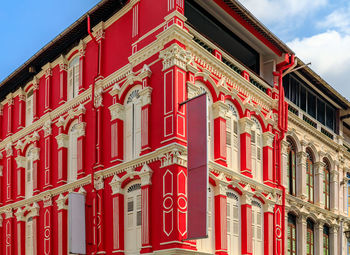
(63, 65)
(22, 109)
(48, 77)
(9, 172)
(245, 125)
(62, 145)
(47, 226)
(118, 215)
(301, 234)
(301, 175)
(219, 112)
(221, 215)
(145, 94)
(319, 177)
(81, 49)
(117, 131)
(35, 98)
(268, 174)
(62, 225)
(20, 231)
(146, 176)
(246, 224)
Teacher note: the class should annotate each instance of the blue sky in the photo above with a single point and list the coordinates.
(317, 30)
(28, 25)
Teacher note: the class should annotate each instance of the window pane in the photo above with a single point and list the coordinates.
(303, 98)
(311, 104)
(330, 117)
(321, 111)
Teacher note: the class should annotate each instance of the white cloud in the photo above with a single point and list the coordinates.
(329, 54)
(276, 11)
(338, 19)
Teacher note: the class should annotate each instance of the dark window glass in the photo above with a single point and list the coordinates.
(294, 91)
(286, 86)
(303, 98)
(311, 104)
(222, 36)
(321, 109)
(330, 117)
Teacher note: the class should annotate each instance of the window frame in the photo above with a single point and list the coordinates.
(29, 116)
(326, 184)
(310, 230)
(232, 138)
(73, 82)
(310, 177)
(292, 235)
(291, 167)
(133, 191)
(29, 185)
(72, 174)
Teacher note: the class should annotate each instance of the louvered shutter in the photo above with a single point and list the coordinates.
(137, 121)
(76, 79)
(253, 152)
(258, 167)
(229, 141)
(70, 86)
(235, 145)
(129, 145)
(29, 110)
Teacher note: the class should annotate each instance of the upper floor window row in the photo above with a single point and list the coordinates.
(308, 101)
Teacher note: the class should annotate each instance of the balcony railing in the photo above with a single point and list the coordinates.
(229, 60)
(311, 121)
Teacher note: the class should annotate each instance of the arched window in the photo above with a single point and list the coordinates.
(29, 107)
(232, 138)
(325, 240)
(133, 125)
(309, 176)
(256, 142)
(291, 169)
(258, 227)
(29, 172)
(208, 244)
(310, 238)
(133, 219)
(29, 236)
(233, 224)
(292, 235)
(326, 184)
(73, 153)
(73, 78)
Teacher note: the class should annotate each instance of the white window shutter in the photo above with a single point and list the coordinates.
(76, 79)
(29, 110)
(133, 221)
(70, 84)
(137, 123)
(128, 131)
(235, 145)
(229, 142)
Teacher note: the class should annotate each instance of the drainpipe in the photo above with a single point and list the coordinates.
(94, 192)
(282, 125)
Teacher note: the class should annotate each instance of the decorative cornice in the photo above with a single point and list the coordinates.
(245, 125)
(99, 183)
(220, 109)
(268, 138)
(145, 94)
(175, 55)
(117, 111)
(62, 141)
(145, 175)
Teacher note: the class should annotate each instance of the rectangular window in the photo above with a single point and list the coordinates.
(330, 117)
(29, 108)
(303, 94)
(311, 104)
(321, 109)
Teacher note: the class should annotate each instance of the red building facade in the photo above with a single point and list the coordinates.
(102, 118)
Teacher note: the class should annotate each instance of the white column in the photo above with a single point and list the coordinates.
(284, 164)
(319, 238)
(334, 190)
(301, 234)
(301, 174)
(333, 240)
(319, 177)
